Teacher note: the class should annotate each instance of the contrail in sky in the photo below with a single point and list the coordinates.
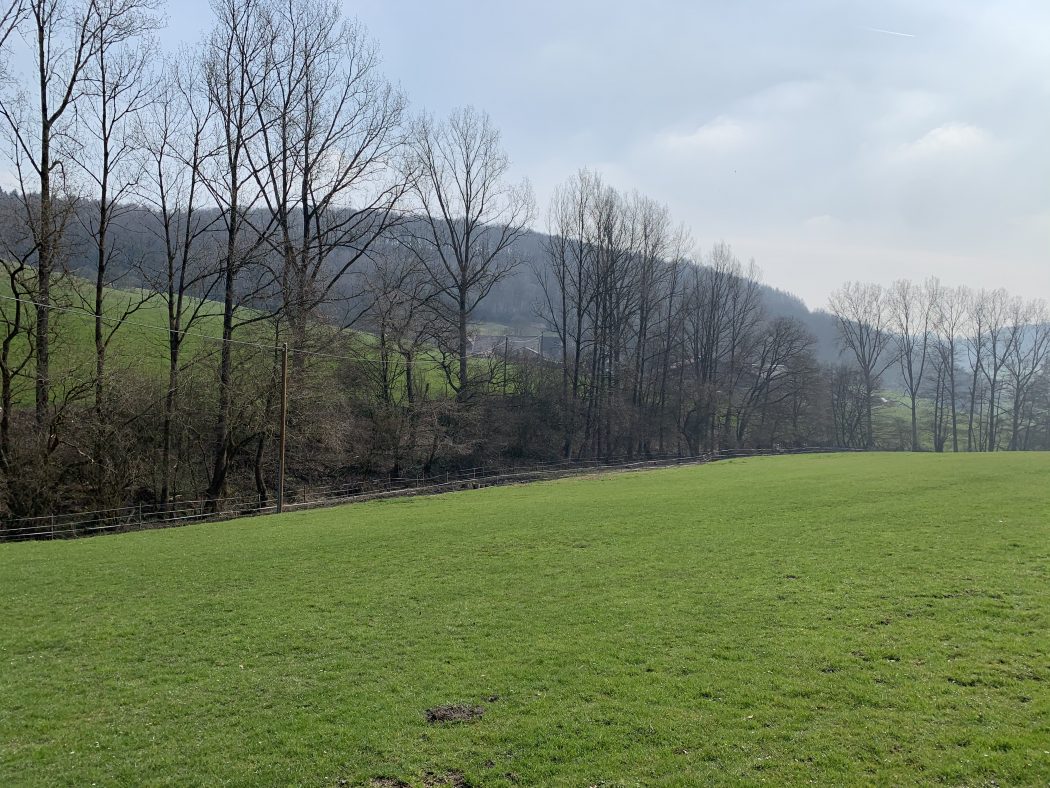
(889, 32)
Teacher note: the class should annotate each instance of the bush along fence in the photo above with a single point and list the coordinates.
(147, 516)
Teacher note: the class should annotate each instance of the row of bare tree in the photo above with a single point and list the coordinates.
(269, 187)
(973, 365)
(655, 348)
(271, 160)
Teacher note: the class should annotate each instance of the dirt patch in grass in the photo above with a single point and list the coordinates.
(456, 712)
(451, 779)
(387, 782)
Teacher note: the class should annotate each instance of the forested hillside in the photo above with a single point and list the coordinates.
(514, 301)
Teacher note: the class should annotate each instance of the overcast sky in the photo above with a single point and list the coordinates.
(829, 140)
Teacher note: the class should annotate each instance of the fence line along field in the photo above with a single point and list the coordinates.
(837, 619)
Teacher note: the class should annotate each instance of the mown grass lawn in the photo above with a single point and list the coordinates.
(832, 618)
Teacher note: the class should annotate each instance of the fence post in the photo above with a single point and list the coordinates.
(284, 422)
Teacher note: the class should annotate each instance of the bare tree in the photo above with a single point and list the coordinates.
(1001, 335)
(862, 315)
(115, 93)
(172, 139)
(673, 322)
(406, 325)
(470, 217)
(655, 245)
(235, 59)
(741, 340)
(949, 315)
(16, 320)
(402, 314)
(613, 237)
(976, 349)
(910, 315)
(850, 405)
(327, 155)
(781, 347)
(568, 294)
(723, 312)
(63, 37)
(12, 14)
(1027, 356)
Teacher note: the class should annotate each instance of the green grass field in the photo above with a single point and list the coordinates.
(836, 619)
(142, 343)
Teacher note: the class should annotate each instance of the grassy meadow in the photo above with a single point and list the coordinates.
(141, 343)
(837, 619)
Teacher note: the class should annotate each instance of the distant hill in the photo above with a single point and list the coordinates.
(512, 303)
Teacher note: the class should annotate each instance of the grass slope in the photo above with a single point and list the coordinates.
(836, 618)
(142, 343)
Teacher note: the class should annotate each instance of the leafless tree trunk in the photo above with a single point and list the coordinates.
(782, 345)
(16, 323)
(567, 283)
(1001, 338)
(976, 349)
(1028, 354)
(949, 312)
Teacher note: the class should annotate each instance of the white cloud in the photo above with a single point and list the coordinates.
(721, 135)
(949, 139)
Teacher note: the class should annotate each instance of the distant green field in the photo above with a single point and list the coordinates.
(834, 619)
(140, 343)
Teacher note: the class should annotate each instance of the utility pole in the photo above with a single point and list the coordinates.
(284, 424)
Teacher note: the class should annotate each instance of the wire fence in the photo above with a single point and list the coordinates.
(148, 516)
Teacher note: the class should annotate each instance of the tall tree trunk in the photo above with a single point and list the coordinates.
(170, 400)
(869, 392)
(221, 434)
(951, 397)
(914, 425)
(260, 481)
(970, 419)
(45, 263)
(462, 328)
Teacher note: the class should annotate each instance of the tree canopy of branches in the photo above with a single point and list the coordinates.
(468, 217)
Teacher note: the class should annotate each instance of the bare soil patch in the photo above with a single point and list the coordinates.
(456, 712)
(451, 779)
